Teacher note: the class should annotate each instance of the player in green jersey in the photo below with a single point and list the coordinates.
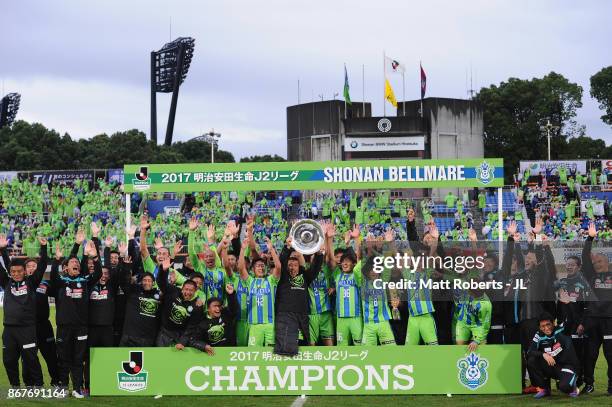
(230, 263)
(215, 277)
(320, 320)
(375, 304)
(473, 319)
(348, 280)
(163, 253)
(421, 324)
(261, 292)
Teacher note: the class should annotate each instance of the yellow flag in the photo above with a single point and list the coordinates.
(389, 95)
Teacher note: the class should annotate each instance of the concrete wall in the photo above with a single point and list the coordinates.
(456, 131)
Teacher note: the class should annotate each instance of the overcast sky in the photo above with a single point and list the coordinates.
(82, 67)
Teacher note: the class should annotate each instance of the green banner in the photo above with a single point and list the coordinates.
(306, 175)
(492, 369)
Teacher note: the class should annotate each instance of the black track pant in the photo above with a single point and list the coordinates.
(45, 339)
(527, 329)
(598, 332)
(20, 341)
(287, 326)
(128, 341)
(541, 373)
(71, 348)
(97, 337)
(444, 322)
(579, 344)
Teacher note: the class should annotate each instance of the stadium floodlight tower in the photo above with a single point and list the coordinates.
(9, 105)
(169, 67)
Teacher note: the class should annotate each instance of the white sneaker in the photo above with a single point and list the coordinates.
(77, 395)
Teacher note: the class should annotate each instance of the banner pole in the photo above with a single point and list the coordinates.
(403, 95)
(128, 214)
(500, 226)
(384, 87)
(362, 90)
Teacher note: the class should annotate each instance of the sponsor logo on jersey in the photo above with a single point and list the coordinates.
(19, 290)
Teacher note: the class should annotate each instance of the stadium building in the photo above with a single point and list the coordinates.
(325, 131)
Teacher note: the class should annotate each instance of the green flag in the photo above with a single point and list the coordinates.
(347, 97)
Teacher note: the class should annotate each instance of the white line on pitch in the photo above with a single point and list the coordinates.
(299, 401)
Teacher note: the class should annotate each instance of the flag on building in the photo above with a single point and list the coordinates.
(347, 97)
(389, 95)
(394, 66)
(423, 82)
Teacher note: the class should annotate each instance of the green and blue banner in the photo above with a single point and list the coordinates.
(363, 370)
(306, 175)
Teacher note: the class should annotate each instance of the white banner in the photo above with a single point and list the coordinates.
(7, 175)
(409, 143)
(539, 167)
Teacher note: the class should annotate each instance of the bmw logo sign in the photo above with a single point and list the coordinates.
(354, 144)
(384, 125)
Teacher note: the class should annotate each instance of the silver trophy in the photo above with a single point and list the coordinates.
(307, 236)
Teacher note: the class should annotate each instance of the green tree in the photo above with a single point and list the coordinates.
(514, 112)
(601, 90)
(31, 146)
(262, 158)
(584, 147)
(198, 151)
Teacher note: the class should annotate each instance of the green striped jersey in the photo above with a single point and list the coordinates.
(374, 302)
(214, 282)
(318, 291)
(348, 299)
(262, 292)
(419, 297)
(475, 311)
(241, 288)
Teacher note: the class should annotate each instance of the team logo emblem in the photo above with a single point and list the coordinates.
(143, 174)
(133, 377)
(384, 125)
(148, 306)
(142, 182)
(178, 314)
(473, 371)
(485, 172)
(297, 281)
(216, 333)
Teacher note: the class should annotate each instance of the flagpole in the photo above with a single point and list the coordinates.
(345, 80)
(421, 87)
(384, 86)
(362, 90)
(403, 94)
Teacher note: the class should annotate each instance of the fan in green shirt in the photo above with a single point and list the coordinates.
(450, 200)
(562, 175)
